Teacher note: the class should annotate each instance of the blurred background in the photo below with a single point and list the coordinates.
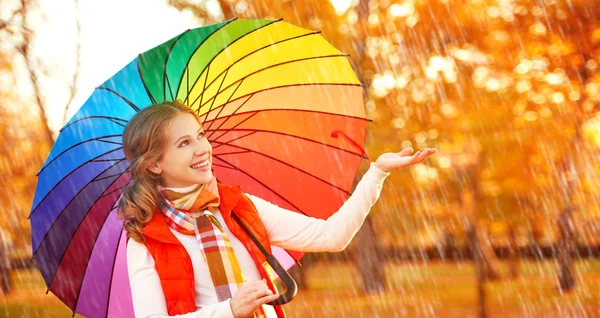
(504, 221)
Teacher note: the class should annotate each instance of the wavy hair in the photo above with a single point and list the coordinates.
(144, 140)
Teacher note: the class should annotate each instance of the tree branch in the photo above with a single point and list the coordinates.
(23, 48)
(74, 86)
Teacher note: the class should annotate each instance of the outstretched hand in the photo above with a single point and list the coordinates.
(390, 161)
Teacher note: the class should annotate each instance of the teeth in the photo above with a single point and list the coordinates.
(204, 164)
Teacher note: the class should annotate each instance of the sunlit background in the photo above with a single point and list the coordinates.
(503, 221)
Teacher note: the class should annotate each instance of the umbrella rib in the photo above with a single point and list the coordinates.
(264, 185)
(260, 49)
(219, 89)
(287, 164)
(83, 164)
(284, 86)
(232, 140)
(132, 105)
(108, 177)
(227, 118)
(276, 65)
(234, 152)
(222, 166)
(221, 51)
(232, 128)
(111, 142)
(118, 121)
(296, 110)
(249, 54)
(221, 107)
(264, 110)
(165, 77)
(203, 88)
(117, 189)
(299, 137)
(139, 68)
(221, 110)
(187, 65)
(75, 145)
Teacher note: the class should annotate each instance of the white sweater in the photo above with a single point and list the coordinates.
(286, 229)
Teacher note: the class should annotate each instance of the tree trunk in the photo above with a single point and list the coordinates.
(513, 252)
(566, 280)
(368, 260)
(480, 269)
(490, 261)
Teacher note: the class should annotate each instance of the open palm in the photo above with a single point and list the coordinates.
(390, 161)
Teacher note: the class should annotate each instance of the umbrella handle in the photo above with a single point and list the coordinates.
(292, 288)
(290, 284)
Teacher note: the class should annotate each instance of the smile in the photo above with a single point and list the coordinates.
(200, 165)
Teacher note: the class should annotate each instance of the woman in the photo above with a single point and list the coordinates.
(185, 254)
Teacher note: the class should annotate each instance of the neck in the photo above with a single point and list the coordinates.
(183, 189)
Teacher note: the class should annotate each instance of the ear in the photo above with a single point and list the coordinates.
(154, 168)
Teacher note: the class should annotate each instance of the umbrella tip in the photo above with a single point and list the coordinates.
(318, 32)
(47, 290)
(73, 314)
(346, 54)
(277, 20)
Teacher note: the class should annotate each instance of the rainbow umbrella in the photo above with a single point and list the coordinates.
(270, 95)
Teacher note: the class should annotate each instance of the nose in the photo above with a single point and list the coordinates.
(202, 147)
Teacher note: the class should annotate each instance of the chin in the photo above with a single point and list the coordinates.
(205, 178)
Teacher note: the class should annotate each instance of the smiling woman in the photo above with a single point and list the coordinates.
(183, 233)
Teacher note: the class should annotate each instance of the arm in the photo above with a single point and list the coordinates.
(146, 290)
(291, 230)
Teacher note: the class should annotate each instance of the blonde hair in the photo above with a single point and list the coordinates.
(144, 140)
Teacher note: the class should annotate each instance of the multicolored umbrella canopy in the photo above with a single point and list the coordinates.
(270, 95)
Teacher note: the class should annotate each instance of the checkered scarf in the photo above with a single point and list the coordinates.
(225, 271)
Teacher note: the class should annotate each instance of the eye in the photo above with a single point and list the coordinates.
(201, 135)
(183, 143)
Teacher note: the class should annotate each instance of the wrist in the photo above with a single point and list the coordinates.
(380, 168)
(233, 313)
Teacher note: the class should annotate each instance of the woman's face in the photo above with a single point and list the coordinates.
(187, 157)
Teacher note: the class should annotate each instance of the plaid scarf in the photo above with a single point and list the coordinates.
(225, 271)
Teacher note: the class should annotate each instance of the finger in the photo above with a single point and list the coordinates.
(426, 153)
(261, 293)
(414, 158)
(406, 151)
(263, 300)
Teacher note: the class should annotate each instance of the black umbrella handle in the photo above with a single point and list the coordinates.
(290, 284)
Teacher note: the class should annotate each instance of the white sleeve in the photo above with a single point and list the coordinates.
(295, 231)
(146, 290)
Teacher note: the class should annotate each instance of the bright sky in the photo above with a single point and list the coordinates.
(113, 32)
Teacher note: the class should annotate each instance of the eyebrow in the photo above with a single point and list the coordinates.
(176, 141)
